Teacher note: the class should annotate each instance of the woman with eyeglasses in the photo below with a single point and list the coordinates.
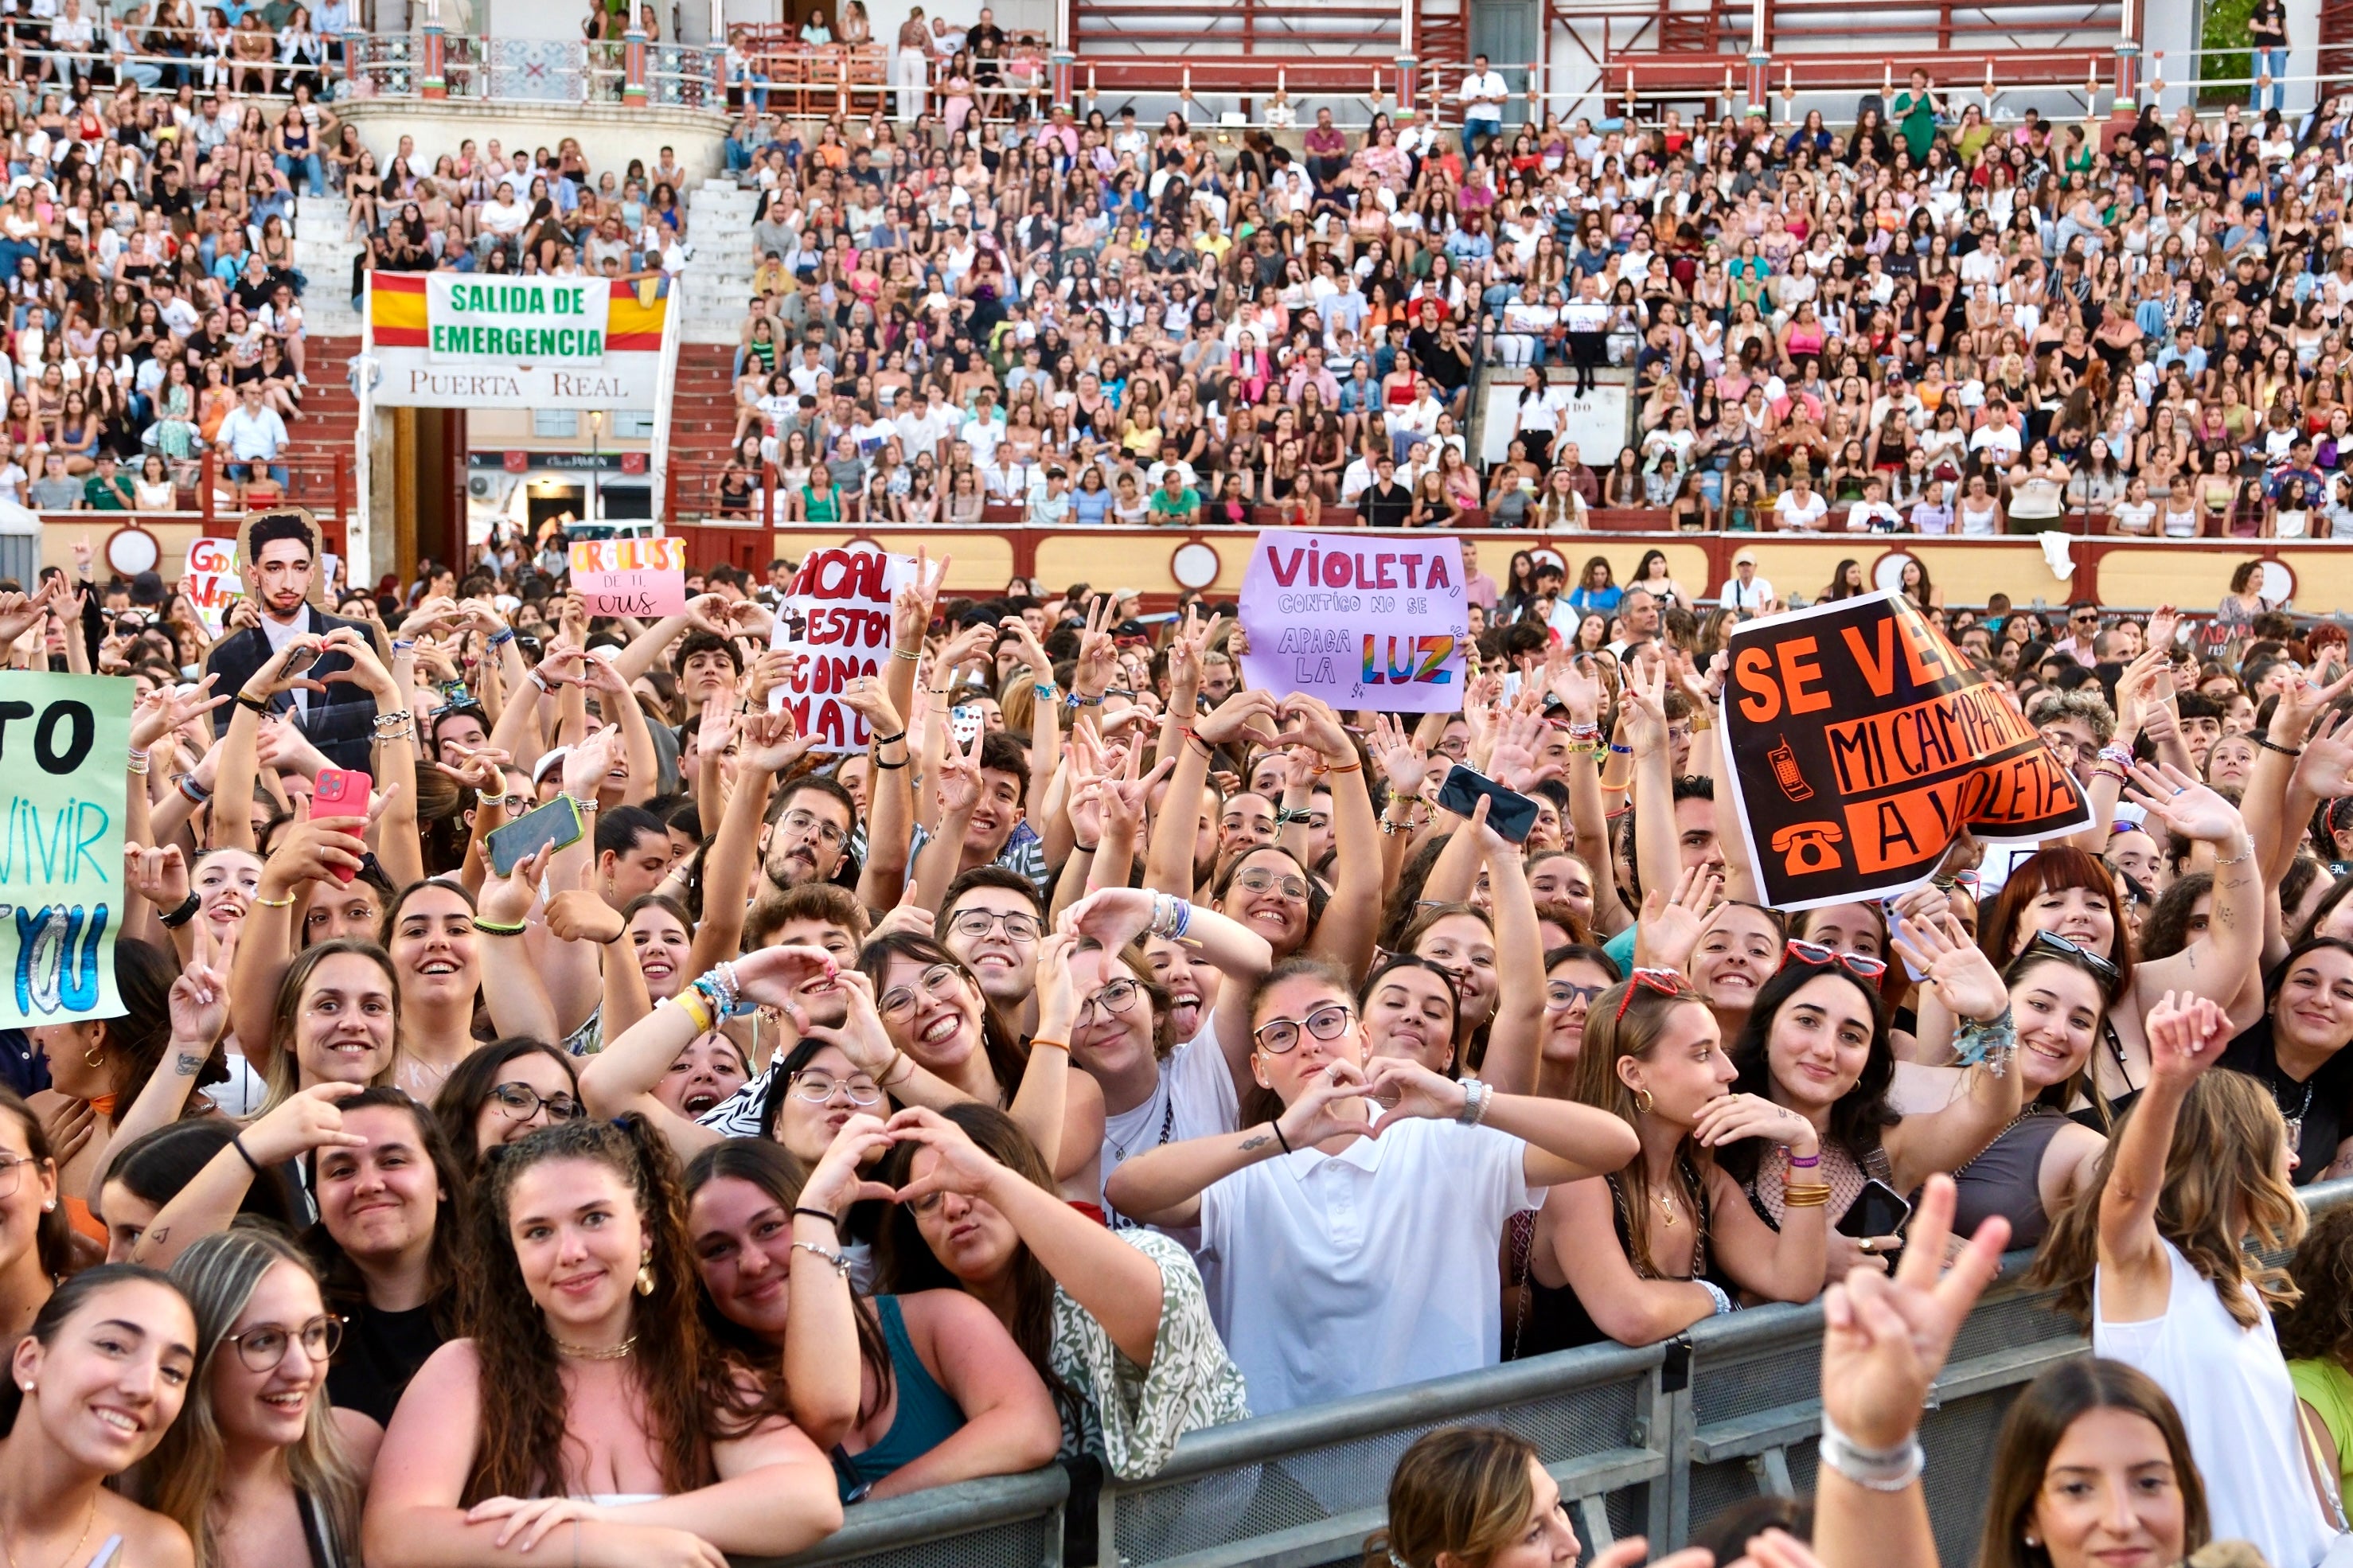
(1416, 1293)
(903, 1392)
(388, 1238)
(1574, 975)
(35, 1245)
(500, 1095)
(2069, 893)
(1158, 1085)
(259, 1468)
(1816, 1043)
(1644, 1253)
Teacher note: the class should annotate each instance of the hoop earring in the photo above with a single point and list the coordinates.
(92, 1057)
(1643, 1102)
(646, 1277)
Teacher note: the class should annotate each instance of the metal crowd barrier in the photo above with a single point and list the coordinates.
(1649, 1441)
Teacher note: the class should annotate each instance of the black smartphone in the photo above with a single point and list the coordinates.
(1512, 814)
(1879, 1211)
(556, 823)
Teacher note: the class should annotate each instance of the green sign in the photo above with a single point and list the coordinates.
(63, 739)
(528, 321)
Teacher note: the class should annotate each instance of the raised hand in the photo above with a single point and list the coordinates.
(271, 679)
(163, 710)
(1318, 1112)
(506, 901)
(307, 1120)
(836, 1182)
(587, 764)
(1058, 1001)
(581, 914)
(1574, 679)
(1122, 795)
(1411, 1092)
(1246, 715)
(1670, 924)
(2184, 805)
(1110, 917)
(158, 873)
(916, 602)
(2186, 1036)
(1512, 759)
(198, 1003)
(776, 975)
(958, 788)
(1885, 1339)
(312, 849)
(1402, 761)
(772, 742)
(1643, 714)
(1033, 652)
(366, 670)
(2326, 769)
(1964, 979)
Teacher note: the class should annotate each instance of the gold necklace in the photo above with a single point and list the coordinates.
(581, 1352)
(71, 1552)
(1667, 1208)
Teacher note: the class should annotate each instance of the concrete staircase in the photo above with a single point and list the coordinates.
(325, 257)
(719, 280)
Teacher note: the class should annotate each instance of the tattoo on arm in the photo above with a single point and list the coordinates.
(1250, 1144)
(188, 1064)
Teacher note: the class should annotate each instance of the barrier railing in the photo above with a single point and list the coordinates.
(1648, 1441)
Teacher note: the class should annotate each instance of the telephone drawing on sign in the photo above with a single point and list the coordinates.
(1807, 846)
(1785, 774)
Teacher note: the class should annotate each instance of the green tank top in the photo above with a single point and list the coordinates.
(927, 1417)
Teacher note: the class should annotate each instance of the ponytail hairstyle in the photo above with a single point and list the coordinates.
(52, 1237)
(690, 1391)
(767, 1166)
(63, 1303)
(219, 1274)
(1628, 1020)
(285, 1072)
(2223, 1182)
(1461, 1493)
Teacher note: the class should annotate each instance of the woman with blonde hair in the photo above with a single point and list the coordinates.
(259, 1468)
(2157, 1262)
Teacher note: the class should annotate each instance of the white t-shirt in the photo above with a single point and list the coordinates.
(1334, 1275)
(2134, 516)
(1750, 595)
(1195, 1099)
(1790, 511)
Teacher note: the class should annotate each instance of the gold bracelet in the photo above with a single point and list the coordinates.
(697, 1012)
(1061, 1045)
(882, 1078)
(286, 902)
(1811, 1196)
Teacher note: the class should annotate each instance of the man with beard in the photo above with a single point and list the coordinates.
(280, 555)
(992, 921)
(807, 833)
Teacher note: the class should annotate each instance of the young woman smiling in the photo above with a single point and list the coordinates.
(1816, 1043)
(590, 1409)
(2296, 1050)
(387, 1240)
(36, 1248)
(93, 1382)
(259, 1468)
(1644, 1253)
(337, 1020)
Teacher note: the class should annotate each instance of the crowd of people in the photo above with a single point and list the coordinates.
(842, 1125)
(1074, 1065)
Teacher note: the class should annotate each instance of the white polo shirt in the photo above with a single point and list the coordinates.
(1333, 1274)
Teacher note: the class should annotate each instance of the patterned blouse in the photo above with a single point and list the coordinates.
(1131, 1418)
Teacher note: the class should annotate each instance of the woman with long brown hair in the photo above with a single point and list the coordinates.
(590, 1401)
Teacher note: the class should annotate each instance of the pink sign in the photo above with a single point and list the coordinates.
(836, 616)
(641, 577)
(1362, 620)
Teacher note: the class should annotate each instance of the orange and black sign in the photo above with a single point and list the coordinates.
(1863, 743)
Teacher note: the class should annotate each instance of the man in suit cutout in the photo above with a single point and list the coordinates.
(279, 561)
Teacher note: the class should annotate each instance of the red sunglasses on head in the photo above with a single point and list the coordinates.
(1665, 981)
(1816, 955)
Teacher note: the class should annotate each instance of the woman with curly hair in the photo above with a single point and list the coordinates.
(590, 1407)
